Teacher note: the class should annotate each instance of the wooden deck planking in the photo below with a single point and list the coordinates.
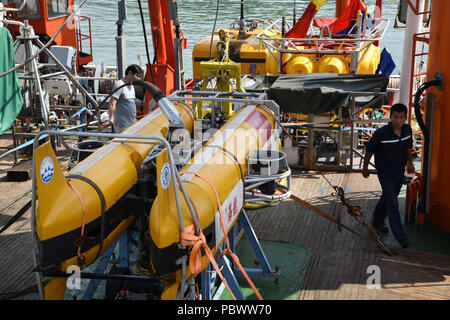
(312, 230)
(15, 246)
(328, 237)
(353, 268)
(338, 268)
(358, 256)
(16, 243)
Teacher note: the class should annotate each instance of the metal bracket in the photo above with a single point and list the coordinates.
(208, 276)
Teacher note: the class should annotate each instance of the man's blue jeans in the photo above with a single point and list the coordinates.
(387, 206)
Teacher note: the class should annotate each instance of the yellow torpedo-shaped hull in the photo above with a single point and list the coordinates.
(107, 174)
(223, 162)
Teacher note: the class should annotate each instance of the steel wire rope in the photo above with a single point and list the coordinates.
(214, 27)
(46, 45)
(146, 41)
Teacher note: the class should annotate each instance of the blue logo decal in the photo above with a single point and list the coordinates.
(47, 169)
(165, 176)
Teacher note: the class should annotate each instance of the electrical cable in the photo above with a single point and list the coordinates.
(146, 41)
(46, 45)
(214, 27)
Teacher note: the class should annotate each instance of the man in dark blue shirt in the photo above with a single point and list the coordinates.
(392, 146)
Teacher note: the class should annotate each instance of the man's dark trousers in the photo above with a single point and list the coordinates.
(387, 206)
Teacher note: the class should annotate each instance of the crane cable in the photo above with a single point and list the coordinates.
(214, 28)
(146, 41)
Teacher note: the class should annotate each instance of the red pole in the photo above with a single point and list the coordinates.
(439, 49)
(341, 5)
(156, 21)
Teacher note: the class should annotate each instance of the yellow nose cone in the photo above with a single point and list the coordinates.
(333, 64)
(301, 64)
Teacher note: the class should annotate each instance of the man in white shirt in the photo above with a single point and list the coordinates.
(122, 107)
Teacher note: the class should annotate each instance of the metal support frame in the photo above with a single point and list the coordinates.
(351, 124)
(124, 242)
(242, 98)
(27, 37)
(414, 83)
(239, 98)
(253, 180)
(415, 8)
(229, 271)
(361, 41)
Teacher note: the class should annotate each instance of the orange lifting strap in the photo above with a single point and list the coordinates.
(189, 238)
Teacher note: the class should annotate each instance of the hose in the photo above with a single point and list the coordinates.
(103, 207)
(417, 111)
(160, 98)
(421, 208)
(156, 93)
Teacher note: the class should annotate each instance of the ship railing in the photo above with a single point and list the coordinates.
(240, 99)
(374, 34)
(83, 57)
(279, 45)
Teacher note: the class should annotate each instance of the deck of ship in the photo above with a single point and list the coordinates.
(339, 265)
(16, 264)
(15, 242)
(338, 269)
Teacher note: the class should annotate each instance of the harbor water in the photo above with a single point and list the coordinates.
(197, 19)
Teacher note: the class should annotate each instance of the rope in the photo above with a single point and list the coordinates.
(188, 238)
(195, 260)
(81, 258)
(19, 214)
(354, 211)
(103, 209)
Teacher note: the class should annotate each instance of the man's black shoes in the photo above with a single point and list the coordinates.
(405, 243)
(382, 229)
